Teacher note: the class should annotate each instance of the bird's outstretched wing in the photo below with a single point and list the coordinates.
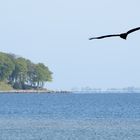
(101, 37)
(133, 30)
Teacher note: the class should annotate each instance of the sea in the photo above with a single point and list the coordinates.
(69, 116)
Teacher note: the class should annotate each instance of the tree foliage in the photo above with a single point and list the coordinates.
(21, 73)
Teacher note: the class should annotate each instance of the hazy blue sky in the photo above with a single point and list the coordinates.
(56, 33)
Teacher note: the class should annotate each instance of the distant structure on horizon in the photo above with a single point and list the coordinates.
(122, 35)
(130, 89)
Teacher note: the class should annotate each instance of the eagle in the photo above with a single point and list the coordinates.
(122, 35)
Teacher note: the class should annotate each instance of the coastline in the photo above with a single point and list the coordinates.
(45, 91)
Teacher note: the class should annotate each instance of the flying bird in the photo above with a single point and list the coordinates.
(122, 35)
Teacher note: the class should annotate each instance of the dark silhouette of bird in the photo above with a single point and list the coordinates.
(122, 35)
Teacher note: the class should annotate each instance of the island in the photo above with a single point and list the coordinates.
(20, 74)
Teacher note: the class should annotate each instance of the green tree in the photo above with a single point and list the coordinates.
(6, 66)
(20, 72)
(31, 73)
(42, 75)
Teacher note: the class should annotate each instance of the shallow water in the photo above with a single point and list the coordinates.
(69, 116)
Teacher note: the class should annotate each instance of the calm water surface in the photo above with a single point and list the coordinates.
(70, 117)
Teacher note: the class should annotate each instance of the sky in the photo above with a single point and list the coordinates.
(56, 33)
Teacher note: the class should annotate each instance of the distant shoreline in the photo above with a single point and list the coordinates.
(33, 91)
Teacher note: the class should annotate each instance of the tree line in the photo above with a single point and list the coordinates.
(21, 73)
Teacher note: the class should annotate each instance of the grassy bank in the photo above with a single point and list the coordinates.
(5, 87)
